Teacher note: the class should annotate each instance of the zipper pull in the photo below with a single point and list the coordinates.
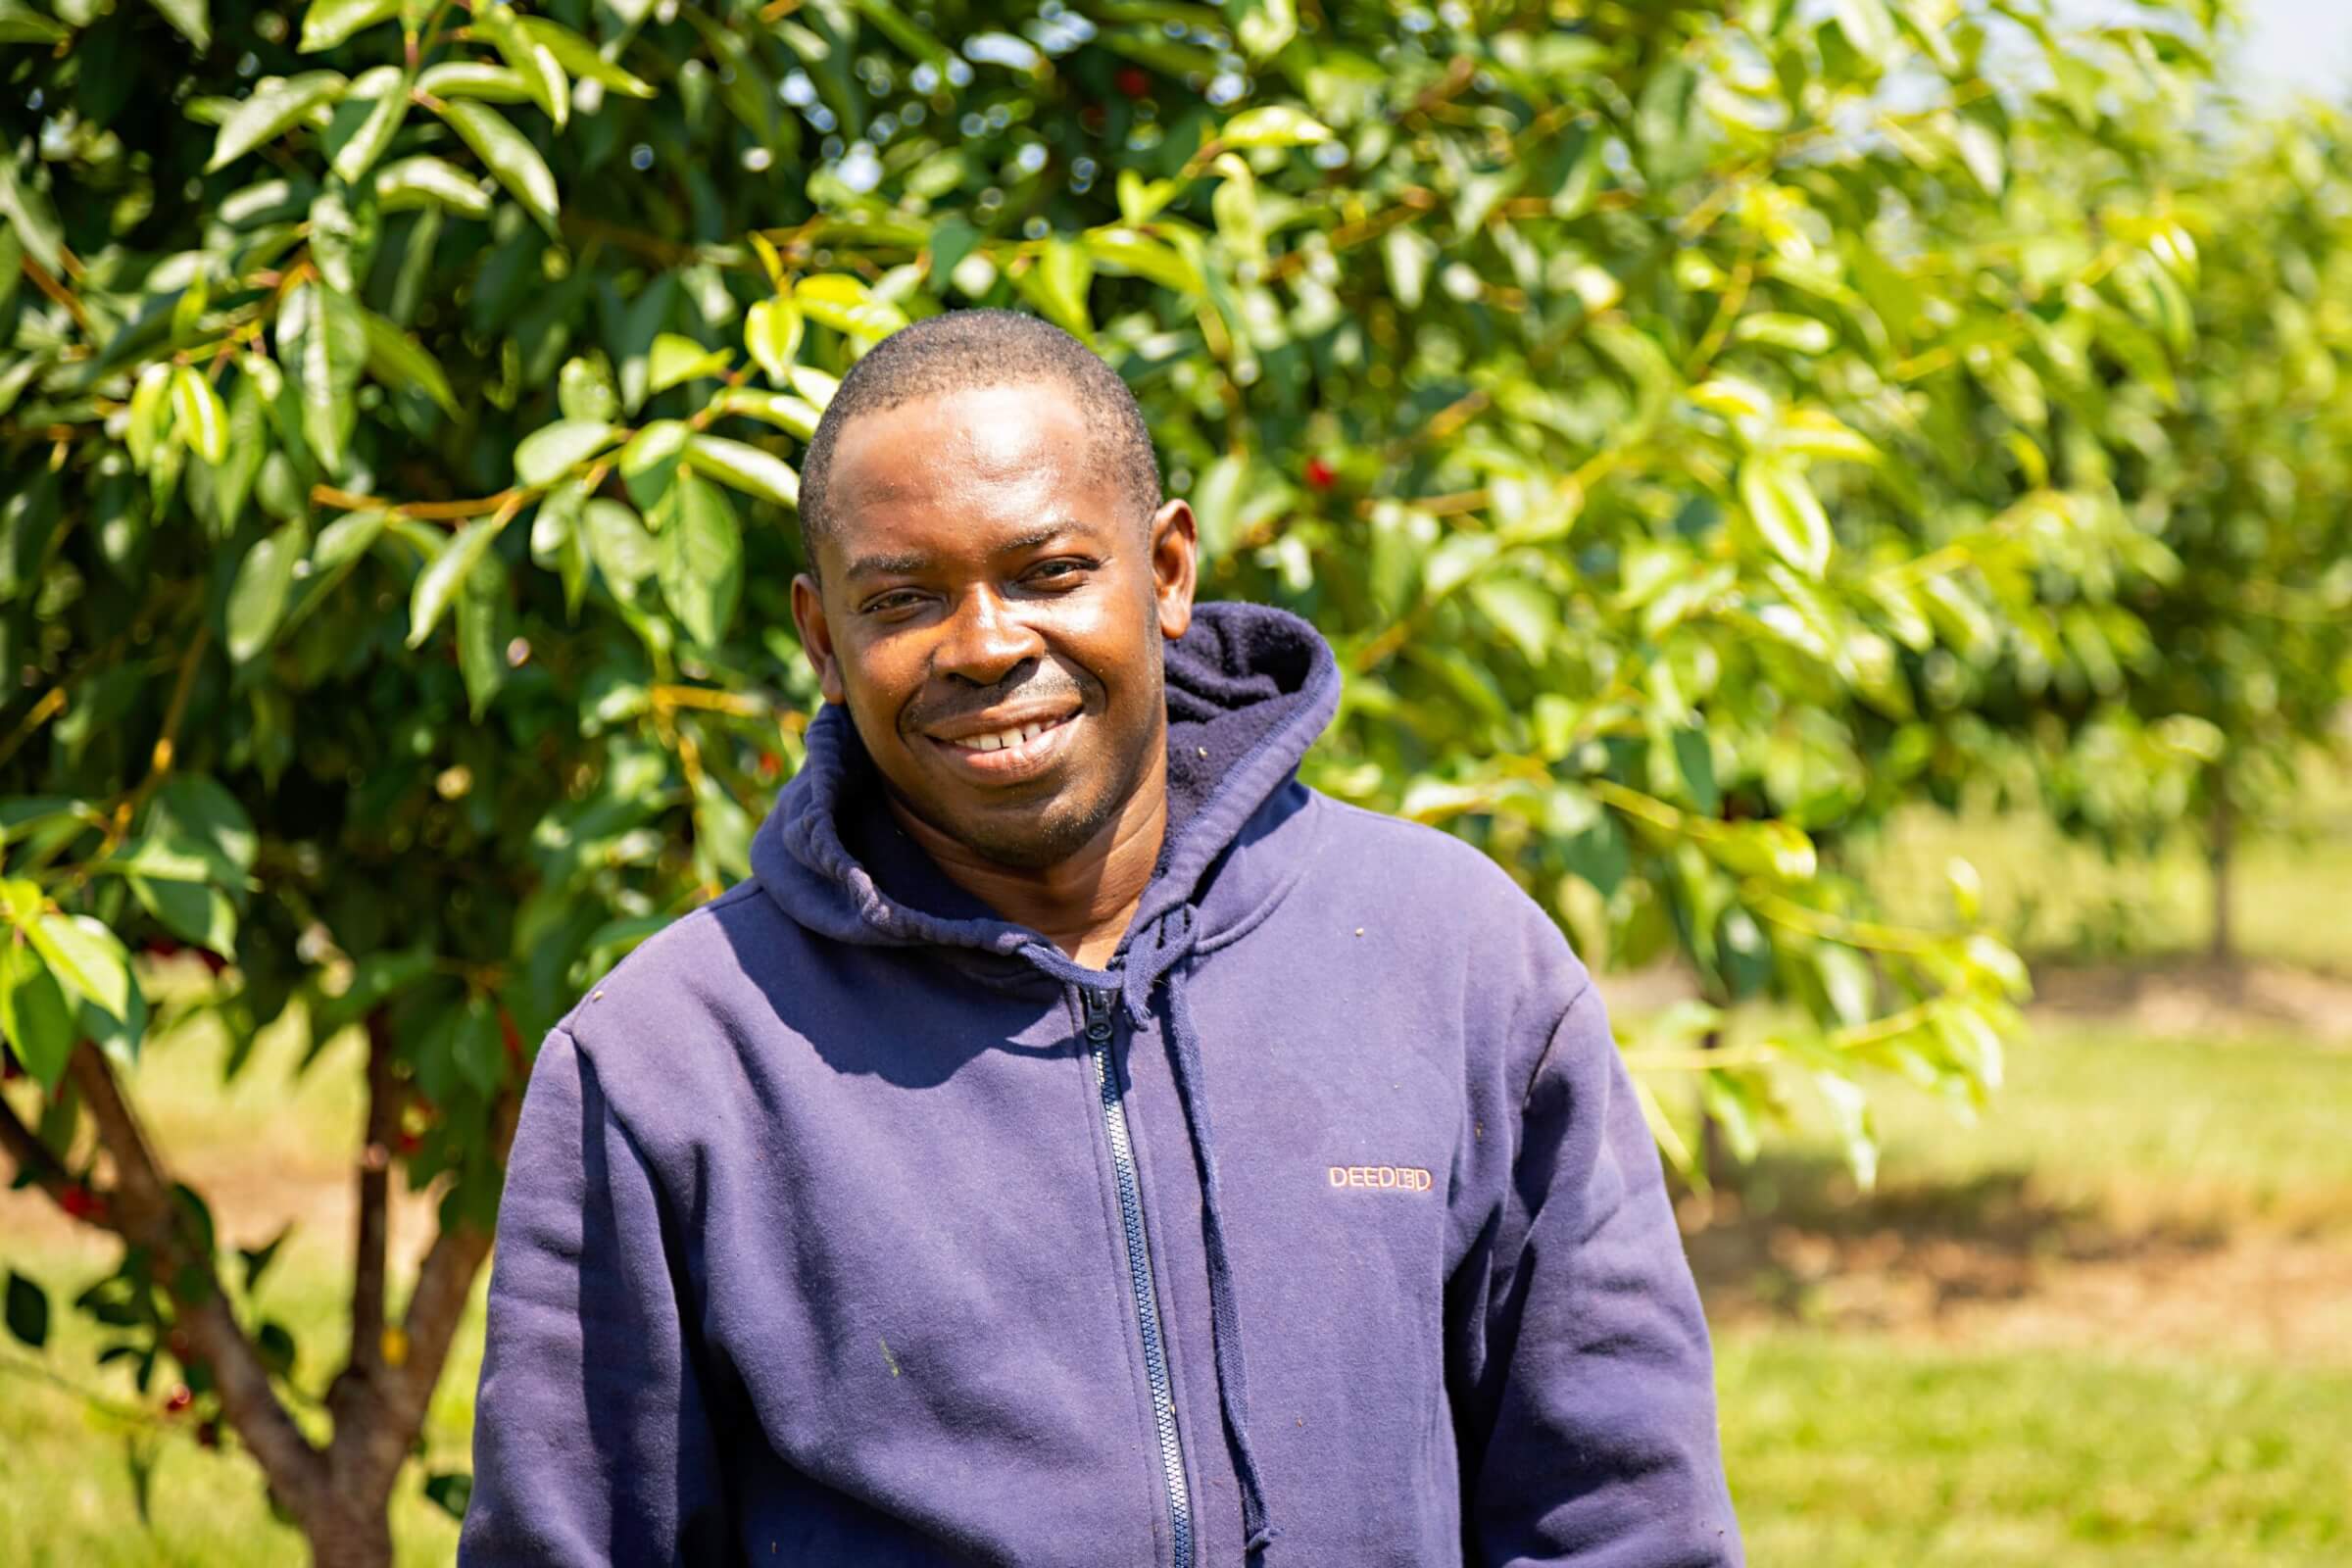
(1097, 1013)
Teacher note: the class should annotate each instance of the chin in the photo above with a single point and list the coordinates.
(1034, 840)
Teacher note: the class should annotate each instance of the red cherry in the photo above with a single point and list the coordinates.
(1322, 475)
(162, 947)
(10, 1073)
(179, 1399)
(207, 1435)
(770, 765)
(1133, 80)
(212, 961)
(407, 1143)
(82, 1204)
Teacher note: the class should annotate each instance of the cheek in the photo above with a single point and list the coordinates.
(880, 674)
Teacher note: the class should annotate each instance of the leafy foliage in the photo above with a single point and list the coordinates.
(1700, 428)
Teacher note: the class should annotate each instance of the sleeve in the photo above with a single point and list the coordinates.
(592, 1440)
(1584, 1406)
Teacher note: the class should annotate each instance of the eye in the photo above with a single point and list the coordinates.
(1063, 571)
(892, 602)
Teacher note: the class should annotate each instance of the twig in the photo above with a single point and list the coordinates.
(150, 1217)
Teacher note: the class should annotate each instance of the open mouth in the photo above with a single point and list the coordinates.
(1011, 749)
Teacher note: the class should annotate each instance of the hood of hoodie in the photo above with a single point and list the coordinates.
(1249, 689)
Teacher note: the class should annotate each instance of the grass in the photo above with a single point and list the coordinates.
(1898, 1445)
(1847, 1446)
(1862, 1452)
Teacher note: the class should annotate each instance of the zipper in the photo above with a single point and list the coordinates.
(1098, 1005)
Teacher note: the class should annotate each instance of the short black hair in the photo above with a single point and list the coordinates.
(960, 351)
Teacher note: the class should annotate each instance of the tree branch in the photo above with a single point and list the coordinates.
(375, 1188)
(26, 1148)
(147, 1214)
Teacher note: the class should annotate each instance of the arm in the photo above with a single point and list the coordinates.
(1585, 1395)
(592, 1443)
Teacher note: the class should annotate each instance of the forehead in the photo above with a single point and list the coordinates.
(975, 458)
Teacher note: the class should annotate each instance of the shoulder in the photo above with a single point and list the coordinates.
(665, 1011)
(1463, 909)
(1436, 871)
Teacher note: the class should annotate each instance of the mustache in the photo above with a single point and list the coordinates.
(1044, 684)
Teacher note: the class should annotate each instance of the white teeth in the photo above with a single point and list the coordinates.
(1020, 735)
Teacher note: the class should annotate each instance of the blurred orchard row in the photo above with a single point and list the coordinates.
(1701, 429)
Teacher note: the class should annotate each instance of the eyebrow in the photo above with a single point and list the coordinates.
(910, 563)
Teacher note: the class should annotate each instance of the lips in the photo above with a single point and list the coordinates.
(1014, 750)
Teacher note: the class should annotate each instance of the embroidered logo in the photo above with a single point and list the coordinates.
(1384, 1178)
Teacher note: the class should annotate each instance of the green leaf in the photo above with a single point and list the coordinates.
(365, 122)
(399, 361)
(552, 451)
(34, 1011)
(81, 952)
(424, 182)
(1787, 514)
(1125, 253)
(193, 912)
(746, 468)
(1264, 26)
(27, 1310)
(195, 814)
(579, 56)
(19, 23)
(619, 545)
(199, 415)
(1868, 28)
(327, 23)
(30, 218)
(257, 1259)
(845, 304)
(507, 155)
(1274, 125)
(784, 411)
(257, 598)
(481, 619)
(677, 359)
(701, 562)
(191, 18)
(333, 336)
(274, 107)
(473, 79)
(339, 546)
(449, 1490)
(440, 581)
(904, 31)
(1057, 285)
(248, 445)
(584, 391)
(649, 464)
(531, 61)
(771, 330)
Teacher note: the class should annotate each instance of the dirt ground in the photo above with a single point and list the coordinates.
(1988, 1264)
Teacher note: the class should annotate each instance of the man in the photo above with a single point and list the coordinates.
(1078, 1144)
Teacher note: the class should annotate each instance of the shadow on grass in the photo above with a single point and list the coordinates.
(1792, 1237)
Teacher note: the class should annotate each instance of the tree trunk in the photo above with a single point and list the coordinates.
(2220, 843)
(353, 1535)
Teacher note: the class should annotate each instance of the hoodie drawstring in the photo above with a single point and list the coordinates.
(1160, 949)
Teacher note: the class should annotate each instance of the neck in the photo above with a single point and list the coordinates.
(1082, 905)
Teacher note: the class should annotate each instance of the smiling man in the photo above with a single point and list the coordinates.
(1078, 1143)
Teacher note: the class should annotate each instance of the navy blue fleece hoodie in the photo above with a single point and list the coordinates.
(849, 1224)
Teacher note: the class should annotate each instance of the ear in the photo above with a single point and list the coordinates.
(1175, 566)
(816, 636)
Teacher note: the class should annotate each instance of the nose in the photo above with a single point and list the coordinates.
(986, 641)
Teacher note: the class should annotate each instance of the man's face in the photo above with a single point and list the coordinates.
(991, 608)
